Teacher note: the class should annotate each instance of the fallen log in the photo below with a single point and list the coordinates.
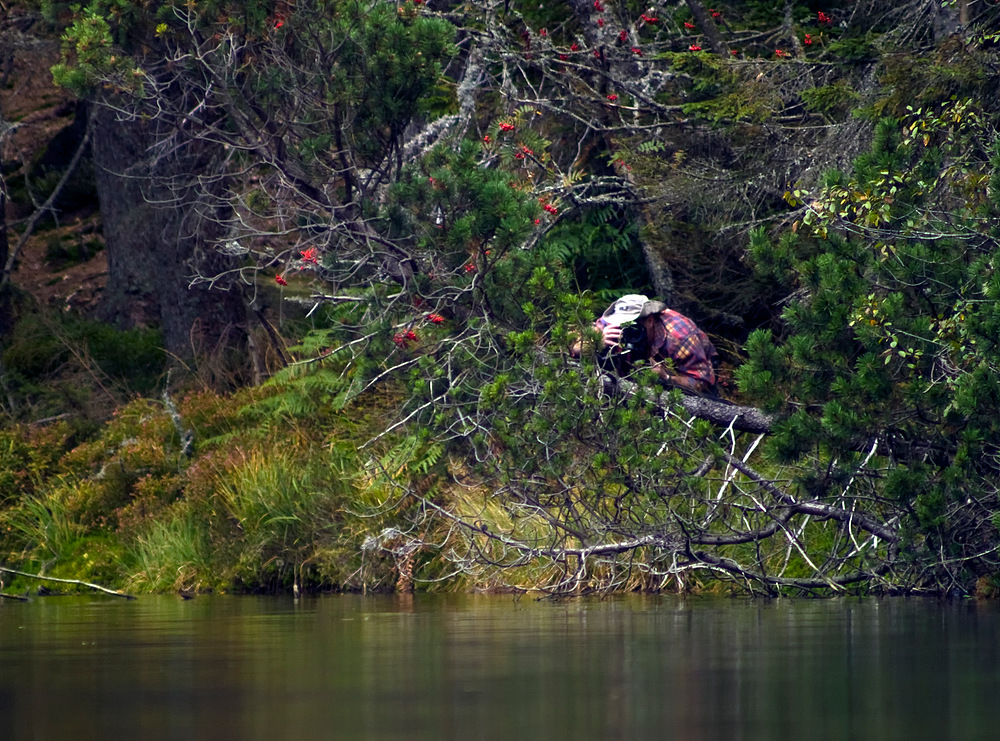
(716, 411)
(18, 597)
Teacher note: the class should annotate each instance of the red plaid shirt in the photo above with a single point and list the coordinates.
(676, 338)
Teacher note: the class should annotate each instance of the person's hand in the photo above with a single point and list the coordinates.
(667, 374)
(612, 333)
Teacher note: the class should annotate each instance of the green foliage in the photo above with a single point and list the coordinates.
(953, 72)
(374, 70)
(282, 509)
(79, 358)
(65, 251)
(303, 392)
(602, 251)
(90, 39)
(28, 455)
(711, 77)
(174, 553)
(836, 98)
(449, 288)
(459, 211)
(42, 527)
(854, 49)
(887, 346)
(253, 511)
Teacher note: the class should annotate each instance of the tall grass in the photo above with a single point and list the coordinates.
(173, 555)
(285, 511)
(43, 527)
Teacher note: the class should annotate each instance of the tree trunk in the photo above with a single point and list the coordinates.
(6, 319)
(159, 238)
(708, 27)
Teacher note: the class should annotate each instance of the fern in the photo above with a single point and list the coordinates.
(653, 145)
(302, 391)
(602, 249)
(558, 249)
(411, 456)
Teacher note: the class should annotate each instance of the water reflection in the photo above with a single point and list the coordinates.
(347, 667)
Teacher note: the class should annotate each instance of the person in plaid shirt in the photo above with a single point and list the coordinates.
(675, 347)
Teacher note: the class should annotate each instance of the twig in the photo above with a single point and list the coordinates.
(44, 208)
(186, 435)
(46, 420)
(98, 587)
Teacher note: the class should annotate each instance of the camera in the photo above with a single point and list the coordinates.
(633, 341)
(632, 347)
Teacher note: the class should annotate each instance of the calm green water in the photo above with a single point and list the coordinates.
(347, 667)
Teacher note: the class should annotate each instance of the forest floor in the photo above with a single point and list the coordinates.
(62, 264)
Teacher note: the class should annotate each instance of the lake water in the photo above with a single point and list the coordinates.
(352, 667)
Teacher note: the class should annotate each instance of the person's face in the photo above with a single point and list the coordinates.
(649, 322)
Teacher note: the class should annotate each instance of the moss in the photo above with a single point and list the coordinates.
(951, 72)
(834, 99)
(59, 361)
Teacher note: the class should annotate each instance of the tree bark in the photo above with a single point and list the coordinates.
(159, 238)
(5, 307)
(708, 27)
(4, 251)
(716, 411)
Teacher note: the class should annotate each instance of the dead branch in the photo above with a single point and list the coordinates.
(77, 582)
(41, 211)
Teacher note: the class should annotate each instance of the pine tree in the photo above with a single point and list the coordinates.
(888, 367)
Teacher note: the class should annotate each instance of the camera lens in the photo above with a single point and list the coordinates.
(632, 337)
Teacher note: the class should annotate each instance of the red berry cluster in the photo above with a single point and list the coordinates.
(404, 339)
